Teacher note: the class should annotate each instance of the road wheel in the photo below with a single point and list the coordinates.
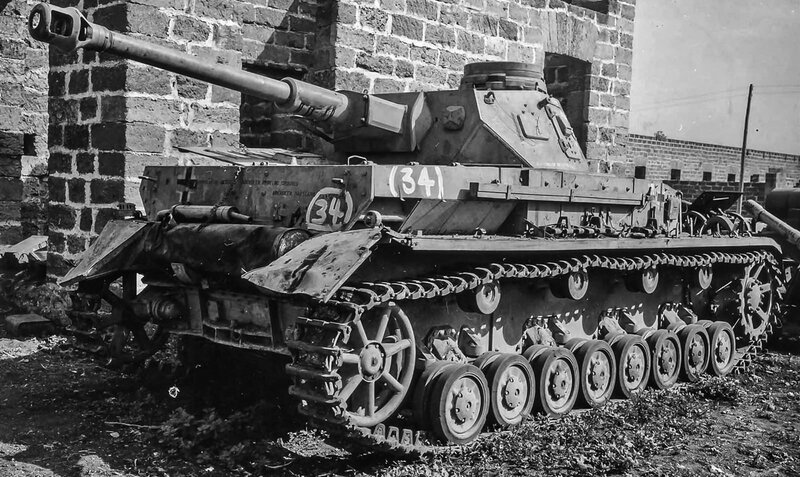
(558, 381)
(723, 348)
(512, 388)
(633, 364)
(459, 404)
(665, 349)
(598, 371)
(695, 344)
(420, 401)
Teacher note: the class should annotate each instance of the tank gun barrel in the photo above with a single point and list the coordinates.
(775, 224)
(68, 30)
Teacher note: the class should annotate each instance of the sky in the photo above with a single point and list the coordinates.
(693, 61)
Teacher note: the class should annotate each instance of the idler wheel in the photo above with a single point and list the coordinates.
(512, 387)
(633, 364)
(557, 381)
(483, 299)
(420, 401)
(598, 372)
(665, 354)
(459, 404)
(572, 285)
(645, 281)
(723, 348)
(376, 375)
(695, 345)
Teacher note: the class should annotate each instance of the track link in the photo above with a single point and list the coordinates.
(316, 340)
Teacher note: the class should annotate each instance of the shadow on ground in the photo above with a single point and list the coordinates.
(63, 413)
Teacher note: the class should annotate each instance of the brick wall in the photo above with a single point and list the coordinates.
(692, 189)
(23, 189)
(660, 156)
(261, 125)
(406, 45)
(23, 127)
(111, 117)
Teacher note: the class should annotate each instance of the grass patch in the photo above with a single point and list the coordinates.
(612, 440)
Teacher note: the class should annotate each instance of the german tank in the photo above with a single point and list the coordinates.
(459, 267)
(781, 215)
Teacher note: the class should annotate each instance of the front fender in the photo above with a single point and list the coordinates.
(115, 249)
(318, 266)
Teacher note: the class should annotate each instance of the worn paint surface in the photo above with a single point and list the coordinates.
(317, 267)
(109, 253)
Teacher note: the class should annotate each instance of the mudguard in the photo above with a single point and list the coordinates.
(318, 266)
(113, 251)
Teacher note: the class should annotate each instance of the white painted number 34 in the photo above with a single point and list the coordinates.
(330, 209)
(419, 181)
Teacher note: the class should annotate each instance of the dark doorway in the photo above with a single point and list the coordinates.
(567, 80)
(599, 6)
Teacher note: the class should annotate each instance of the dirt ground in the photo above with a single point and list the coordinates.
(63, 414)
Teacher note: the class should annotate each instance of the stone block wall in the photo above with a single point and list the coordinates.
(407, 45)
(23, 190)
(23, 126)
(661, 156)
(279, 39)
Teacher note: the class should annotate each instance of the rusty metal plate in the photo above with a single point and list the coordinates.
(109, 252)
(318, 266)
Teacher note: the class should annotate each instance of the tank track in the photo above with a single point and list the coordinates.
(315, 341)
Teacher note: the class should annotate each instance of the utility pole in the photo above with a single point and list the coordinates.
(744, 148)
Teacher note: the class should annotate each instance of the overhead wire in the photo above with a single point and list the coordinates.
(784, 89)
(719, 95)
(684, 102)
(742, 88)
(777, 85)
(692, 97)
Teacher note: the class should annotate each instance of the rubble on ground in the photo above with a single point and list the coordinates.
(24, 287)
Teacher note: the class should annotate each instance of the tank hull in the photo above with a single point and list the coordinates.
(387, 285)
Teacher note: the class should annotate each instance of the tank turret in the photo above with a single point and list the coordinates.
(501, 114)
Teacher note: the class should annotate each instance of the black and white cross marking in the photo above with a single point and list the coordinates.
(189, 183)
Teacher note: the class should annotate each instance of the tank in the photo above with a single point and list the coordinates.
(781, 215)
(457, 269)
